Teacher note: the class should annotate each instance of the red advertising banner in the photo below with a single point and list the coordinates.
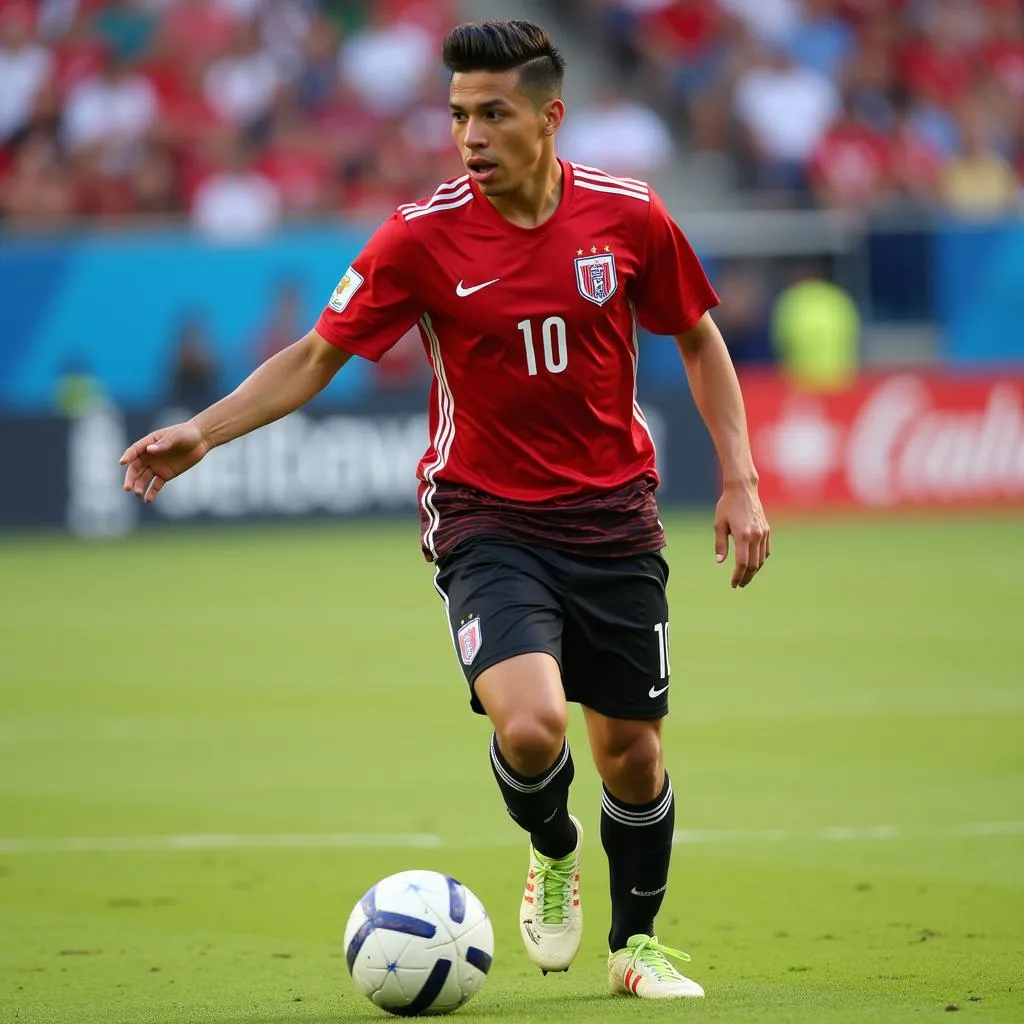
(890, 441)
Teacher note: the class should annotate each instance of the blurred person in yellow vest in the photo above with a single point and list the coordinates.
(815, 332)
(77, 390)
(978, 182)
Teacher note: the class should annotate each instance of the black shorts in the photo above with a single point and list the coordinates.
(604, 620)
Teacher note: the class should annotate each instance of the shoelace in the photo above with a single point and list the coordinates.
(555, 876)
(653, 954)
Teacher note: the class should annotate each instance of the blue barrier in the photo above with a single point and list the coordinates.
(980, 293)
(115, 307)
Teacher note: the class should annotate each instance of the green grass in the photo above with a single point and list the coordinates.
(302, 681)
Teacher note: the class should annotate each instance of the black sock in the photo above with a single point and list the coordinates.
(539, 804)
(638, 842)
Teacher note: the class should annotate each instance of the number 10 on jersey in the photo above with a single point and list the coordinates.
(552, 337)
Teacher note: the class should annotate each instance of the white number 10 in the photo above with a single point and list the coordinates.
(552, 333)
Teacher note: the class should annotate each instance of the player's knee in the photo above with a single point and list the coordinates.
(530, 742)
(634, 766)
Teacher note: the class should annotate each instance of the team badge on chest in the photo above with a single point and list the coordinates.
(596, 277)
(471, 636)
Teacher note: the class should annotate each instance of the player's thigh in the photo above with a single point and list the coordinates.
(615, 647)
(502, 603)
(524, 699)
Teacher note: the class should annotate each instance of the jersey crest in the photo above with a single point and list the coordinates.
(596, 277)
(471, 636)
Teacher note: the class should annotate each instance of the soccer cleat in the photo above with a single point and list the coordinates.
(550, 917)
(642, 969)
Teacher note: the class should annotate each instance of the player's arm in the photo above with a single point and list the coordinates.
(279, 386)
(716, 391)
(284, 383)
(672, 296)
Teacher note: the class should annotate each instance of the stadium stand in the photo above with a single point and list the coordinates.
(242, 113)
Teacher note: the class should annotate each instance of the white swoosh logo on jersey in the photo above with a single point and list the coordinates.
(652, 692)
(462, 291)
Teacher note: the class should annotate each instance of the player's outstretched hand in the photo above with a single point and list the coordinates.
(739, 515)
(161, 456)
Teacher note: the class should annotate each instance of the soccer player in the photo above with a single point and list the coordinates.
(527, 277)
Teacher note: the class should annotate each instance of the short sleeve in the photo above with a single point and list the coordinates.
(375, 302)
(672, 291)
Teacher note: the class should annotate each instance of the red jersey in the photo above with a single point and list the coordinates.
(531, 334)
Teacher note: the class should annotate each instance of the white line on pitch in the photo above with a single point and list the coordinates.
(321, 840)
(215, 841)
(850, 833)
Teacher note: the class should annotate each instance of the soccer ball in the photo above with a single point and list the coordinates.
(419, 942)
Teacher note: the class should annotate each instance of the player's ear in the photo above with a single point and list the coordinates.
(554, 114)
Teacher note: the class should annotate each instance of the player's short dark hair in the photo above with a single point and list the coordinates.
(510, 45)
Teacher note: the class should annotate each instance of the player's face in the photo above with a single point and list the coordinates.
(502, 136)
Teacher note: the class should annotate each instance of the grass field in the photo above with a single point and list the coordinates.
(211, 744)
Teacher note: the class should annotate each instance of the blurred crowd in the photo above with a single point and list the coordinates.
(240, 113)
(237, 113)
(838, 103)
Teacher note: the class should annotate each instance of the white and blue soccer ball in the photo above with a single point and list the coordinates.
(419, 942)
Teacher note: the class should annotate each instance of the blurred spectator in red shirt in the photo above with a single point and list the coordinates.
(937, 65)
(349, 131)
(295, 158)
(80, 53)
(850, 167)
(198, 28)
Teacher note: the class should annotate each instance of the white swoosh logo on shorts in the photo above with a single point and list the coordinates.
(462, 291)
(652, 692)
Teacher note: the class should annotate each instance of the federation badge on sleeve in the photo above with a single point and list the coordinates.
(596, 277)
(347, 287)
(471, 636)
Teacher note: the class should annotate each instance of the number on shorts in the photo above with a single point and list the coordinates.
(661, 628)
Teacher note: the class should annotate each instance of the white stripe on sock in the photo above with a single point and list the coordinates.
(622, 814)
(527, 787)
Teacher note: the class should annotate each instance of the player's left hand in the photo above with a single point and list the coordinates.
(739, 515)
